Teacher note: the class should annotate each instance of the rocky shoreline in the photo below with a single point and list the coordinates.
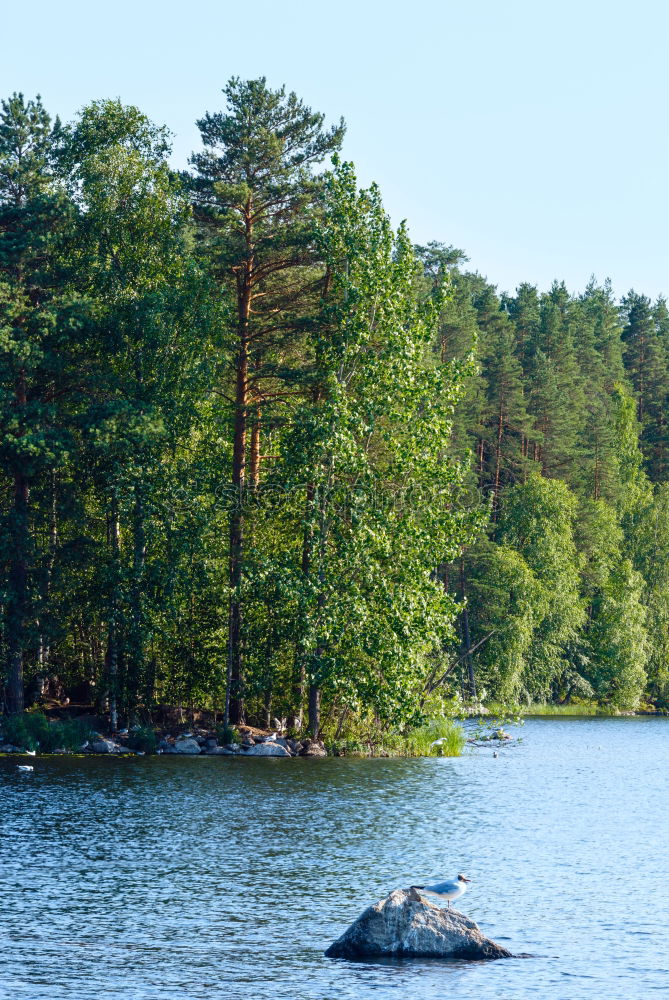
(252, 743)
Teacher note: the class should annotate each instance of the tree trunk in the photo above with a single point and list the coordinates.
(113, 538)
(234, 694)
(300, 673)
(135, 673)
(17, 598)
(234, 698)
(18, 594)
(255, 448)
(44, 651)
(466, 635)
(314, 719)
(267, 706)
(498, 456)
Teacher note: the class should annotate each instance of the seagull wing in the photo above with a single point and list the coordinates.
(449, 885)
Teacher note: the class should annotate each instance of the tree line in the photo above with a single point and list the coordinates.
(264, 456)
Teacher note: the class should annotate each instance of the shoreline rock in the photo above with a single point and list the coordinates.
(405, 925)
(268, 749)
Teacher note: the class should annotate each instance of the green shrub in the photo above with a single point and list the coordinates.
(33, 731)
(15, 731)
(227, 734)
(350, 745)
(142, 738)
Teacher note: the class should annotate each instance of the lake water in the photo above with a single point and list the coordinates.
(210, 878)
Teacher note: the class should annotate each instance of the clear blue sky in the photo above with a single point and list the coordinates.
(531, 134)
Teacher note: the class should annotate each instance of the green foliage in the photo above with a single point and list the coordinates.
(33, 731)
(438, 737)
(381, 505)
(537, 520)
(256, 448)
(227, 734)
(142, 738)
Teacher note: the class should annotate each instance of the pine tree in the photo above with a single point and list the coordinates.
(556, 395)
(501, 457)
(254, 191)
(646, 361)
(595, 329)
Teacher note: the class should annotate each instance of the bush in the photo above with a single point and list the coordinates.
(351, 745)
(33, 731)
(227, 734)
(142, 738)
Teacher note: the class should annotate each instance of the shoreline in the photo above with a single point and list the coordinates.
(251, 741)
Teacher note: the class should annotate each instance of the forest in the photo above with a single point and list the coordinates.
(264, 456)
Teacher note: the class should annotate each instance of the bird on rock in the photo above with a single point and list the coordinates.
(449, 889)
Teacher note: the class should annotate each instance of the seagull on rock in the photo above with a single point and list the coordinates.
(449, 889)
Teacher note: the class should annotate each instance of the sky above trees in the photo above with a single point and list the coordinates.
(530, 135)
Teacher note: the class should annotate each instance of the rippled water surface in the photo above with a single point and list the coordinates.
(209, 877)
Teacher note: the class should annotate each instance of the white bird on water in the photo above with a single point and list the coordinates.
(450, 889)
(25, 767)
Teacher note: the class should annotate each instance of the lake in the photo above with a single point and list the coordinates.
(160, 878)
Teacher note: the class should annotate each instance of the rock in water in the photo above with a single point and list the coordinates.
(405, 925)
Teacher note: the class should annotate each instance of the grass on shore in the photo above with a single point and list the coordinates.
(576, 709)
(417, 742)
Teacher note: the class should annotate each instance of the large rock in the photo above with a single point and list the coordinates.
(267, 750)
(187, 746)
(313, 748)
(404, 924)
(103, 746)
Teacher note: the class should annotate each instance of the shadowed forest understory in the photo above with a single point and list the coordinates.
(264, 457)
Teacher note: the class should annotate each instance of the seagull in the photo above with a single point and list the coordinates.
(25, 767)
(450, 889)
(31, 753)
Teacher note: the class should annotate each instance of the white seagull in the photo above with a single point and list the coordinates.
(450, 889)
(25, 767)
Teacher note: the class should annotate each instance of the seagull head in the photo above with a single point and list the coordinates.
(461, 878)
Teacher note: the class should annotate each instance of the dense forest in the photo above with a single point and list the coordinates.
(262, 455)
